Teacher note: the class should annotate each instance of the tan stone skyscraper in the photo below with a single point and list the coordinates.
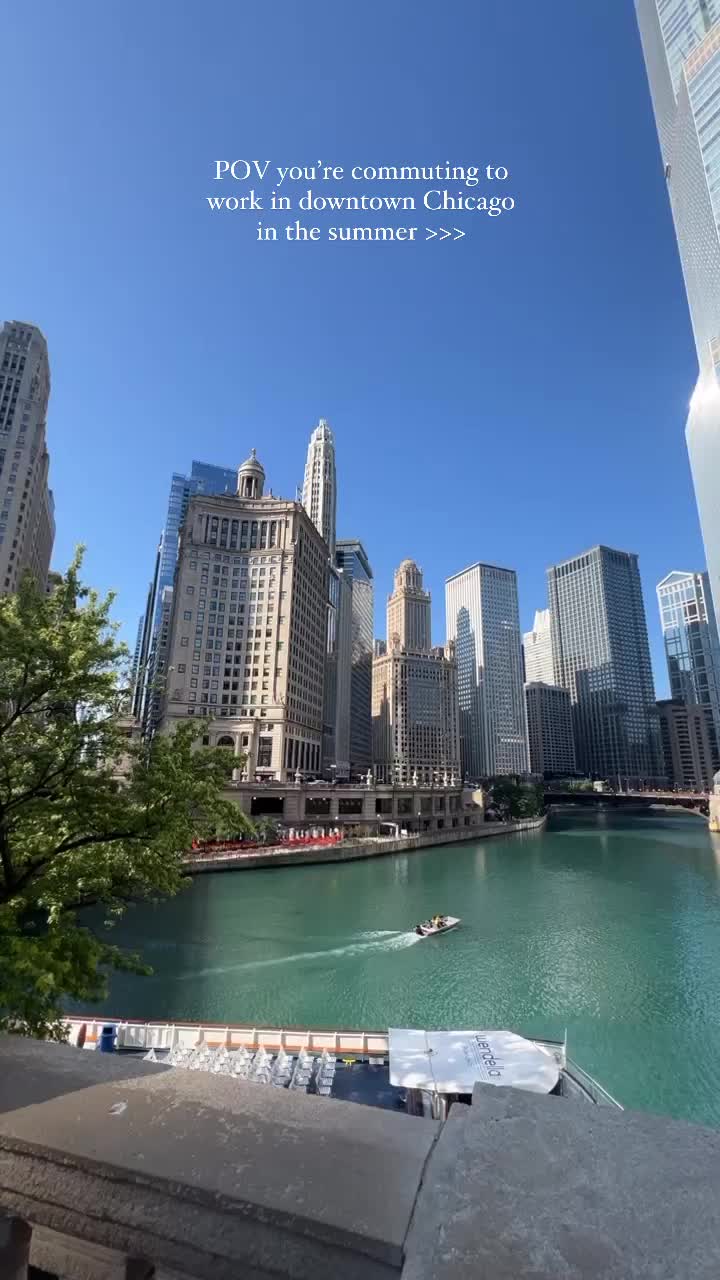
(408, 610)
(416, 735)
(27, 522)
(248, 631)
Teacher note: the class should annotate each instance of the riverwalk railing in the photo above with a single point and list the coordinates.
(131, 1033)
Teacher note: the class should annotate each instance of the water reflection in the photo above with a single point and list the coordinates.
(607, 924)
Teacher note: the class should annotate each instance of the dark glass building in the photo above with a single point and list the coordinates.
(602, 656)
(351, 557)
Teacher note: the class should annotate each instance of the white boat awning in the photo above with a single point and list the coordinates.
(454, 1061)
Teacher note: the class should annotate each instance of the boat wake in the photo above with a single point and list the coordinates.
(379, 940)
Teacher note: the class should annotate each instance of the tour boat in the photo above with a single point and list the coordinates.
(428, 930)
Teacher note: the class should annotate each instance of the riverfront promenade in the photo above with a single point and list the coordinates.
(352, 850)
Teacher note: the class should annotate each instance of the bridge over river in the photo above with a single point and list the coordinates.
(697, 801)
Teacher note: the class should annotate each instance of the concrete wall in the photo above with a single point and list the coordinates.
(110, 1167)
(351, 850)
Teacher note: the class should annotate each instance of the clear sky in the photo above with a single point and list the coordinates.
(515, 396)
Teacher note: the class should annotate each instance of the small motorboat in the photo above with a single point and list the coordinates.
(437, 924)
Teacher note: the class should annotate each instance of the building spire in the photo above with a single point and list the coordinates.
(319, 495)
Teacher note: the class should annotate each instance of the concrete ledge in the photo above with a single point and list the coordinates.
(210, 1177)
(521, 1186)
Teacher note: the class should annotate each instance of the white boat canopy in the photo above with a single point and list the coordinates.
(454, 1061)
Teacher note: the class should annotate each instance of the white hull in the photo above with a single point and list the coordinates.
(431, 931)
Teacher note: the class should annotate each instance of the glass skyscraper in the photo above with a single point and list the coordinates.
(203, 478)
(601, 654)
(681, 43)
(692, 648)
(351, 557)
(482, 616)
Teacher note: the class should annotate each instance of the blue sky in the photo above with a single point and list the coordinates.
(515, 396)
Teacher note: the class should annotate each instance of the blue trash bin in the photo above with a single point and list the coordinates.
(107, 1038)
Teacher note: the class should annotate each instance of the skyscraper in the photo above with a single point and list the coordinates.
(27, 519)
(681, 43)
(481, 607)
(338, 676)
(414, 688)
(692, 648)
(320, 485)
(537, 648)
(688, 744)
(203, 478)
(550, 734)
(247, 636)
(351, 557)
(601, 654)
(408, 609)
(319, 498)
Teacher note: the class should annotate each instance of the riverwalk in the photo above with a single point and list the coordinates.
(351, 850)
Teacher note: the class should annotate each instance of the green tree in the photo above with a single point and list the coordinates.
(268, 829)
(87, 816)
(513, 800)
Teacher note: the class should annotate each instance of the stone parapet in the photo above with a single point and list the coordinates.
(113, 1167)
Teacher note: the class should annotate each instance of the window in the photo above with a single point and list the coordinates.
(316, 806)
(350, 805)
(187, 615)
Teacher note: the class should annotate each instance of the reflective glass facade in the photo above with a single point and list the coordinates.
(681, 44)
(351, 557)
(203, 478)
(602, 656)
(481, 609)
(691, 643)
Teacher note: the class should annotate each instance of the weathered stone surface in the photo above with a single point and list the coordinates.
(35, 1071)
(525, 1186)
(78, 1260)
(208, 1175)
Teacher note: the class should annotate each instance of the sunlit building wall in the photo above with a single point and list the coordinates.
(681, 43)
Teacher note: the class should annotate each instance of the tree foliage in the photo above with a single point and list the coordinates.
(87, 815)
(512, 800)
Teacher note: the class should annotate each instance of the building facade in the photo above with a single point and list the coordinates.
(537, 650)
(481, 607)
(550, 731)
(338, 676)
(692, 648)
(27, 514)
(681, 44)
(320, 501)
(414, 693)
(358, 810)
(203, 478)
(408, 610)
(248, 632)
(688, 743)
(320, 483)
(602, 656)
(351, 557)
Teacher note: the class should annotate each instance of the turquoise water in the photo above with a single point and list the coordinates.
(607, 925)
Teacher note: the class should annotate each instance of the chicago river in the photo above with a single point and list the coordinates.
(606, 924)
